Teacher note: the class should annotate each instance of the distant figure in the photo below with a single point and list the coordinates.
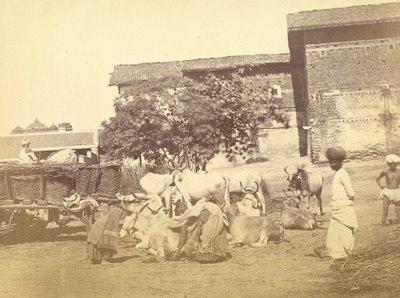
(26, 155)
(390, 191)
(340, 235)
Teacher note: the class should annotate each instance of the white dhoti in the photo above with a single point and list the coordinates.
(393, 195)
(340, 236)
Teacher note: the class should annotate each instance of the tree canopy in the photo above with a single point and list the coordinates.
(187, 121)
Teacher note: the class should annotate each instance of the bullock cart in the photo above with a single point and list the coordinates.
(31, 196)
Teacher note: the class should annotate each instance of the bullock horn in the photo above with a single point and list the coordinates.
(286, 193)
(258, 187)
(140, 196)
(285, 169)
(242, 188)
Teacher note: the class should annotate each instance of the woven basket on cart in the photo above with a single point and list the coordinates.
(109, 181)
(3, 189)
(27, 188)
(86, 184)
(57, 189)
(103, 180)
(130, 180)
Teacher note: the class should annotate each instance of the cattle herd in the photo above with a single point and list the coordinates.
(171, 196)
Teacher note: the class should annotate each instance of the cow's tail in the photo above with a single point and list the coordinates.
(226, 191)
(266, 190)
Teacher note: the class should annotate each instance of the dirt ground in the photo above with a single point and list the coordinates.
(57, 267)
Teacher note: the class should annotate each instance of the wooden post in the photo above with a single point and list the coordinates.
(43, 188)
(10, 196)
(387, 118)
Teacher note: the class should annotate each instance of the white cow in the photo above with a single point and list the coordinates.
(194, 187)
(241, 180)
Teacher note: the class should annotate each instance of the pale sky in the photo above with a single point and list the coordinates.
(56, 56)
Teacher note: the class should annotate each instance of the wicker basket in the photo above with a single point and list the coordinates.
(109, 182)
(85, 183)
(27, 188)
(3, 189)
(57, 189)
(104, 180)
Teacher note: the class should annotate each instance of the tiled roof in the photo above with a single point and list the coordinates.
(11, 145)
(127, 73)
(335, 17)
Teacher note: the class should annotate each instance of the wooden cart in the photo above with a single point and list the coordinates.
(31, 196)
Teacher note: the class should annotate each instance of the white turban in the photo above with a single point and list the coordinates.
(25, 142)
(392, 158)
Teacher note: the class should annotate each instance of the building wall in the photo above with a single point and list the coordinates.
(355, 120)
(345, 82)
(355, 64)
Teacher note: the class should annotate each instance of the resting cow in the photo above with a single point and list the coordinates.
(252, 230)
(160, 234)
(297, 219)
(307, 183)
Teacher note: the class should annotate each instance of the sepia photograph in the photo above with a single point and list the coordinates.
(199, 148)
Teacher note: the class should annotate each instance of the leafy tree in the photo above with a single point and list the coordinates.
(191, 121)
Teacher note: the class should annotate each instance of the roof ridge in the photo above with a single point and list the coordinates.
(200, 59)
(342, 7)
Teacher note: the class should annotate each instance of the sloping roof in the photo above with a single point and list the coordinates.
(128, 73)
(344, 16)
(11, 145)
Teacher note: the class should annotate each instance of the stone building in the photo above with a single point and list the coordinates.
(346, 65)
(340, 82)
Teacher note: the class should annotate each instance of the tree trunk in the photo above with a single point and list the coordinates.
(254, 140)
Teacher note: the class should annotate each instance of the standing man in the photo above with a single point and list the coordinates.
(340, 236)
(26, 155)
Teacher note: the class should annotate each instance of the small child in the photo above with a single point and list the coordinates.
(390, 192)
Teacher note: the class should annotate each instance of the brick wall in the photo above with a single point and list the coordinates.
(353, 64)
(346, 104)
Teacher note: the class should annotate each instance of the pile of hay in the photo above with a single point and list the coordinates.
(375, 266)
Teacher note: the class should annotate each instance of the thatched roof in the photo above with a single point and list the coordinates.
(128, 73)
(344, 16)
